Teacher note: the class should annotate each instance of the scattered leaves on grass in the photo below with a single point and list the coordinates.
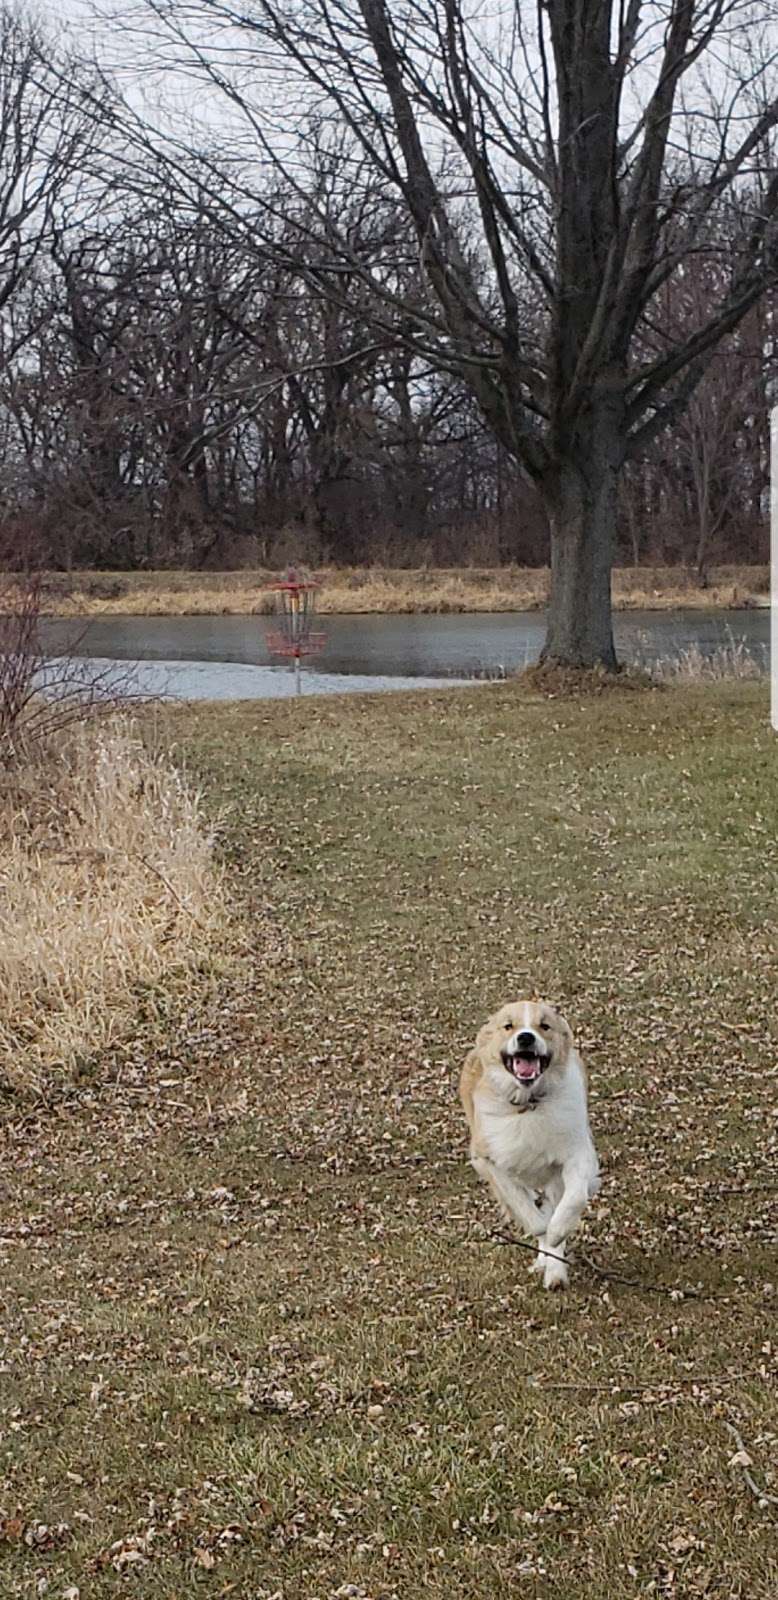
(257, 1336)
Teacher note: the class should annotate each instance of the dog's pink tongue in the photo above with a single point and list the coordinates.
(525, 1070)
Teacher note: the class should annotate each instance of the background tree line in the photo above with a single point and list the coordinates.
(180, 384)
(169, 398)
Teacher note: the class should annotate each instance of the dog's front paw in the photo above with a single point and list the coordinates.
(555, 1274)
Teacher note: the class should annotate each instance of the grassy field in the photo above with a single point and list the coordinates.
(259, 1337)
(383, 589)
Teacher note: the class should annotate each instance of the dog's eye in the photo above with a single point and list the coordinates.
(545, 1027)
(508, 1026)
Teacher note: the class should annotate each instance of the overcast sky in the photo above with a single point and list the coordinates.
(170, 96)
(117, 50)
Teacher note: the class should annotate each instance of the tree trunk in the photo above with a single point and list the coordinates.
(702, 556)
(581, 497)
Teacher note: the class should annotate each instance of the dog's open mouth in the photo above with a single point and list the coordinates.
(525, 1066)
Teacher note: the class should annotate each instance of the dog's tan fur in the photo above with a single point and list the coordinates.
(530, 1141)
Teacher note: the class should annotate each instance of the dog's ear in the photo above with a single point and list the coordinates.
(482, 1036)
(486, 1033)
(472, 1067)
(564, 1022)
(558, 1013)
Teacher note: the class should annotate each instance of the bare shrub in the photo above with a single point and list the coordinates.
(20, 605)
(107, 881)
(41, 694)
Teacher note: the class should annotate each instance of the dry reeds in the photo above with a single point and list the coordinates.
(733, 660)
(107, 882)
(727, 588)
(391, 590)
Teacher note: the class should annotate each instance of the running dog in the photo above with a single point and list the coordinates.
(523, 1088)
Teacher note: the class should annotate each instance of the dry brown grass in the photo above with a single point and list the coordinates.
(440, 592)
(354, 591)
(107, 883)
(728, 661)
(673, 588)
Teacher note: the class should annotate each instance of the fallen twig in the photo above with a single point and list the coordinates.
(135, 855)
(743, 1461)
(619, 1387)
(611, 1277)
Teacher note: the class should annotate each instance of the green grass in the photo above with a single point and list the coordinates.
(259, 1337)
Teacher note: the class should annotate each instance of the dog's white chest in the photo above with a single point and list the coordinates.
(537, 1142)
(525, 1143)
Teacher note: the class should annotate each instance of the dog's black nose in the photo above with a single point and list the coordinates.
(525, 1040)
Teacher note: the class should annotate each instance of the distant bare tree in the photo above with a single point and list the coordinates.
(719, 443)
(698, 493)
(49, 113)
(48, 110)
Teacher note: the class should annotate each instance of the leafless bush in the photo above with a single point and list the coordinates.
(42, 694)
(19, 656)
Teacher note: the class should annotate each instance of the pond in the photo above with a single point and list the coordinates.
(227, 657)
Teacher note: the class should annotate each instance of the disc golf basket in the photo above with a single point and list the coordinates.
(294, 635)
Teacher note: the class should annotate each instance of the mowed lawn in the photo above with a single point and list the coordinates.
(260, 1335)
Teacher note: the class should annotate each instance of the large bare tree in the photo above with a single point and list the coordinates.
(559, 163)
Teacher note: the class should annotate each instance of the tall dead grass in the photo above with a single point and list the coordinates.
(107, 882)
(733, 660)
(387, 590)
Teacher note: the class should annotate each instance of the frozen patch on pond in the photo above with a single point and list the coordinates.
(213, 680)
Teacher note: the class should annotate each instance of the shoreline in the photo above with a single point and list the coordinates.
(386, 591)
